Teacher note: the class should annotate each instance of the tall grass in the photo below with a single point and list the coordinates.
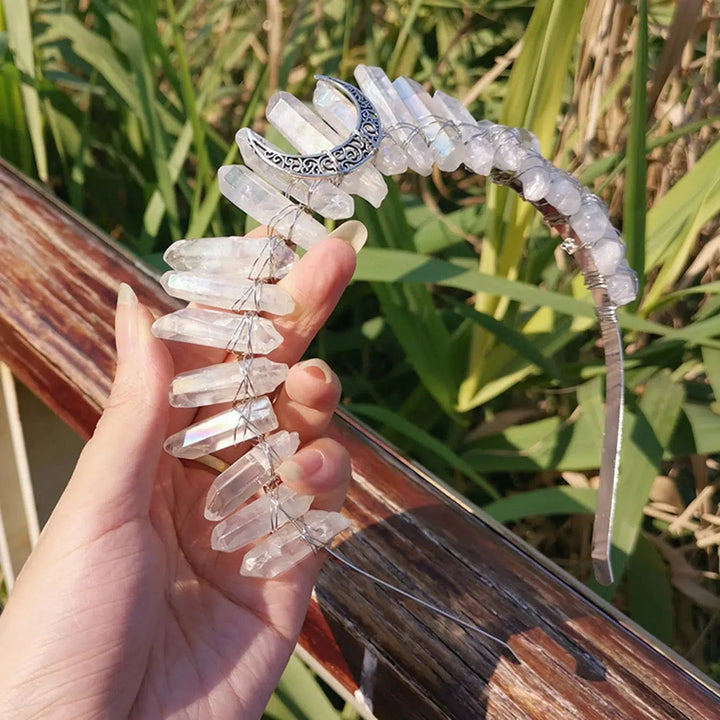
(470, 341)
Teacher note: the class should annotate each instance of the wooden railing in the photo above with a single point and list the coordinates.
(578, 657)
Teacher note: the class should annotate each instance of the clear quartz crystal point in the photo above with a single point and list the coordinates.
(309, 133)
(564, 193)
(396, 118)
(226, 382)
(246, 476)
(622, 286)
(287, 547)
(265, 204)
(608, 252)
(319, 195)
(243, 422)
(510, 148)
(591, 221)
(256, 258)
(338, 112)
(445, 142)
(535, 177)
(227, 291)
(479, 152)
(244, 334)
(258, 518)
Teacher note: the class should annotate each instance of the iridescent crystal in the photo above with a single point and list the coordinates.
(445, 141)
(256, 258)
(308, 133)
(227, 291)
(265, 204)
(396, 118)
(226, 382)
(243, 422)
(338, 112)
(246, 334)
(246, 476)
(258, 518)
(319, 195)
(287, 547)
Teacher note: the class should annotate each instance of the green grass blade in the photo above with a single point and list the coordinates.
(635, 202)
(17, 22)
(426, 441)
(562, 500)
(651, 596)
(512, 339)
(647, 435)
(300, 693)
(399, 266)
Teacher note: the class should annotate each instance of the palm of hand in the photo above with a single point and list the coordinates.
(123, 609)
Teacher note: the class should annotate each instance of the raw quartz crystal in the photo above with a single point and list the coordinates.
(479, 152)
(256, 519)
(226, 382)
(511, 147)
(564, 193)
(622, 286)
(246, 476)
(534, 176)
(242, 422)
(396, 119)
(287, 547)
(255, 258)
(244, 334)
(319, 195)
(445, 142)
(309, 133)
(591, 221)
(608, 252)
(264, 203)
(338, 112)
(227, 291)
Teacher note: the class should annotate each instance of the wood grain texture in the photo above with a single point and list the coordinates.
(56, 311)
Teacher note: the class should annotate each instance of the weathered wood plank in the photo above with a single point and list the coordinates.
(577, 660)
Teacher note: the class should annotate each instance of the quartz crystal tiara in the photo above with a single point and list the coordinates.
(346, 144)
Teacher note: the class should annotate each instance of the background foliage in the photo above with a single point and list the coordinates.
(467, 338)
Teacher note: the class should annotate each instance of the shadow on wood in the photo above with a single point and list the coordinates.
(579, 658)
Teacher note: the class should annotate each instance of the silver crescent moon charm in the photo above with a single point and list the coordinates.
(341, 159)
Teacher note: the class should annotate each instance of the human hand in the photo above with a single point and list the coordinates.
(123, 610)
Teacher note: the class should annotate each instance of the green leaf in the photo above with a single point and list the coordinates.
(635, 203)
(651, 597)
(300, 693)
(424, 439)
(19, 31)
(711, 360)
(646, 436)
(562, 500)
(512, 338)
(399, 266)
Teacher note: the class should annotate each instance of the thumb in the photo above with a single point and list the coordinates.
(115, 472)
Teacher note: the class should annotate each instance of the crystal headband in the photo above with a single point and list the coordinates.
(354, 137)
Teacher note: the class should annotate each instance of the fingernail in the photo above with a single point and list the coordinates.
(302, 466)
(353, 232)
(318, 369)
(126, 324)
